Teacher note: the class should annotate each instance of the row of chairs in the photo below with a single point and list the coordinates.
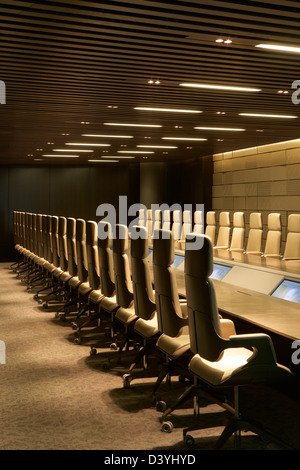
(109, 279)
(230, 236)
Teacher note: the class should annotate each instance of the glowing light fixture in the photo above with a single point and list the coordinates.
(133, 151)
(220, 129)
(92, 145)
(133, 125)
(72, 150)
(182, 138)
(219, 87)
(109, 136)
(158, 146)
(169, 110)
(268, 115)
(61, 156)
(276, 47)
(104, 161)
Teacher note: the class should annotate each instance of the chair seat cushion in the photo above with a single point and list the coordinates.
(146, 328)
(174, 346)
(126, 315)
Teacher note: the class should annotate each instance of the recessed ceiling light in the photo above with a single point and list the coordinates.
(182, 138)
(133, 151)
(158, 146)
(219, 40)
(268, 115)
(62, 156)
(118, 156)
(109, 136)
(276, 47)
(72, 150)
(92, 145)
(227, 41)
(104, 161)
(220, 129)
(169, 110)
(219, 87)
(133, 125)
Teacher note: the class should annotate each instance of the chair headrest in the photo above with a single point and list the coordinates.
(91, 232)
(224, 219)
(71, 227)
(54, 224)
(274, 222)
(211, 218)
(157, 215)
(166, 216)
(104, 228)
(80, 229)
(255, 220)
(163, 247)
(62, 226)
(238, 219)
(176, 216)
(294, 223)
(199, 263)
(187, 216)
(198, 217)
(149, 214)
(139, 244)
(120, 241)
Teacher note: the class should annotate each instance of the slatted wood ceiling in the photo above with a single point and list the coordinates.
(66, 63)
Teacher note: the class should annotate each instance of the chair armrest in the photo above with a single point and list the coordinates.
(227, 328)
(260, 342)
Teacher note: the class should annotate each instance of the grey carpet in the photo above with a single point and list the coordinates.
(55, 396)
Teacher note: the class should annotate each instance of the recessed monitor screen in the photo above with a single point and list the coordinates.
(288, 290)
(219, 271)
(149, 251)
(178, 259)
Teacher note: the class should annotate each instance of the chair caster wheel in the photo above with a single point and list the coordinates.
(127, 378)
(189, 440)
(161, 406)
(74, 326)
(167, 427)
(77, 340)
(35, 297)
(40, 301)
(113, 346)
(93, 352)
(57, 315)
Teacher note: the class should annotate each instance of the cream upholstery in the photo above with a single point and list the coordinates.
(224, 231)
(177, 226)
(255, 234)
(238, 232)
(198, 222)
(273, 241)
(149, 223)
(292, 246)
(210, 229)
(166, 220)
(156, 222)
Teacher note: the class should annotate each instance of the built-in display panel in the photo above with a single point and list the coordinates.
(219, 271)
(288, 290)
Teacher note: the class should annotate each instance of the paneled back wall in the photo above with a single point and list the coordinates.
(259, 179)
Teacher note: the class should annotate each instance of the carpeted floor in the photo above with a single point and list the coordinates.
(55, 396)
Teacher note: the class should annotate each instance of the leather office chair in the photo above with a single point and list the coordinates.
(198, 222)
(210, 229)
(174, 342)
(292, 245)
(146, 325)
(220, 361)
(187, 227)
(224, 231)
(238, 233)
(255, 234)
(156, 224)
(273, 241)
(177, 228)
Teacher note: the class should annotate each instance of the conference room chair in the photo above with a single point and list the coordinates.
(166, 219)
(273, 240)
(142, 217)
(187, 227)
(255, 234)
(224, 231)
(156, 224)
(198, 222)
(210, 227)
(176, 228)
(146, 325)
(238, 233)
(219, 362)
(174, 341)
(292, 245)
(149, 223)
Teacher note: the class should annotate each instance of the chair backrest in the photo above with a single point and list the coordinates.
(62, 243)
(149, 222)
(54, 238)
(238, 232)
(81, 250)
(255, 234)
(45, 236)
(273, 241)
(210, 229)
(142, 217)
(71, 246)
(204, 324)
(107, 279)
(292, 246)
(187, 225)
(198, 222)
(224, 230)
(169, 314)
(39, 229)
(123, 283)
(177, 225)
(156, 222)
(144, 299)
(35, 234)
(49, 239)
(92, 254)
(166, 220)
